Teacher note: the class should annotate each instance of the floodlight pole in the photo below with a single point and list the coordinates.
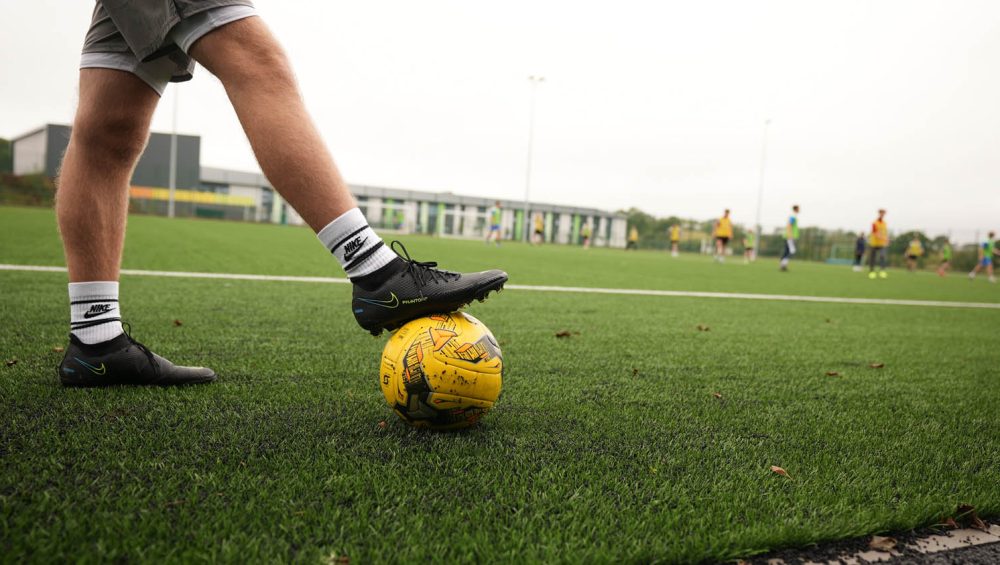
(534, 81)
(173, 159)
(760, 186)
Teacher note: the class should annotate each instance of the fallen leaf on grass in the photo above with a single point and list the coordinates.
(335, 559)
(877, 365)
(382, 425)
(11, 362)
(178, 323)
(58, 349)
(717, 394)
(703, 328)
(882, 543)
(566, 333)
(978, 524)
(968, 513)
(635, 372)
(780, 471)
(832, 374)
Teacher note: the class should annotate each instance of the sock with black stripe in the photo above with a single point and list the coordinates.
(94, 313)
(358, 249)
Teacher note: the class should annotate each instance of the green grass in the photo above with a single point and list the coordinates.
(606, 446)
(28, 236)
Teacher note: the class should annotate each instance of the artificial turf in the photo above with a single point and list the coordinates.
(641, 438)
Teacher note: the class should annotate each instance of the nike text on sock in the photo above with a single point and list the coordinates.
(358, 249)
(94, 312)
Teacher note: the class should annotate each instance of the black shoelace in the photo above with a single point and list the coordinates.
(422, 271)
(149, 354)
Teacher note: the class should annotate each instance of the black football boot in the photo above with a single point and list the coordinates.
(123, 361)
(406, 289)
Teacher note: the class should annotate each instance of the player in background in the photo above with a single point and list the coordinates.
(945, 265)
(493, 216)
(748, 246)
(723, 233)
(859, 251)
(986, 251)
(675, 240)
(633, 239)
(130, 53)
(585, 232)
(538, 237)
(791, 234)
(914, 251)
(878, 247)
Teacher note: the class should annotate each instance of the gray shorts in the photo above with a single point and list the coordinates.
(151, 39)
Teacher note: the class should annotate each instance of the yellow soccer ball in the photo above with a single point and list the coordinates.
(442, 372)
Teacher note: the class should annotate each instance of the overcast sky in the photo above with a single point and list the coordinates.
(658, 105)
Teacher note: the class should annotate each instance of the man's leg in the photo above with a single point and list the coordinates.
(258, 78)
(388, 291)
(109, 134)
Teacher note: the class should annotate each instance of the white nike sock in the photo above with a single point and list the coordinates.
(94, 313)
(358, 249)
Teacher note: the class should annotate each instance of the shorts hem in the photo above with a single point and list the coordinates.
(189, 30)
(125, 62)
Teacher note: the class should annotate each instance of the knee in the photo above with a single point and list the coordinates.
(110, 135)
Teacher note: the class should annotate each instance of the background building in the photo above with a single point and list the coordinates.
(218, 193)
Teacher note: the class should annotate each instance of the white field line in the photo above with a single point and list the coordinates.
(545, 288)
(935, 543)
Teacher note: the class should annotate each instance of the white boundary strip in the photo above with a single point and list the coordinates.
(574, 289)
(935, 543)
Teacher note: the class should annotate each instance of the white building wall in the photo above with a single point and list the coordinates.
(507, 219)
(293, 217)
(29, 153)
(410, 216)
(565, 227)
(599, 228)
(255, 192)
(374, 215)
(469, 226)
(618, 228)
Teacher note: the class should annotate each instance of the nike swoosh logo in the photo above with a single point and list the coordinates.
(90, 315)
(96, 370)
(350, 254)
(391, 303)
